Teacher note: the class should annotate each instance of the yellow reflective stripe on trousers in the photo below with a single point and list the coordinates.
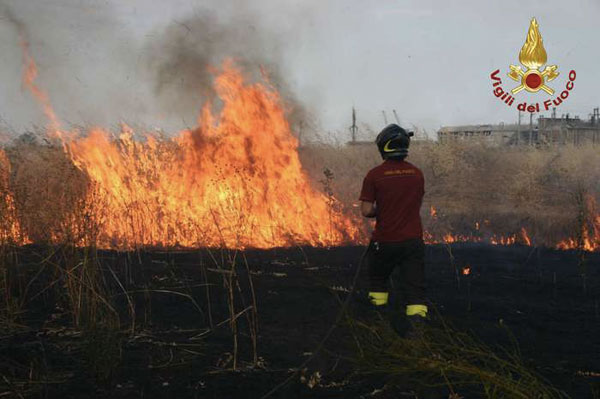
(378, 298)
(420, 310)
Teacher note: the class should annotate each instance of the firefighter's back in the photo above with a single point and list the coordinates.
(398, 188)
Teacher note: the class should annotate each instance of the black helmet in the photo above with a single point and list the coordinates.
(393, 142)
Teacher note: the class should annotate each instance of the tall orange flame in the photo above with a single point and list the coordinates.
(235, 181)
(533, 55)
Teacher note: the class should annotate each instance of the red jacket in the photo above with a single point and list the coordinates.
(397, 188)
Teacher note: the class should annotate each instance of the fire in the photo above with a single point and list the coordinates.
(588, 238)
(525, 237)
(533, 55)
(449, 238)
(433, 212)
(10, 229)
(235, 181)
(29, 77)
(466, 270)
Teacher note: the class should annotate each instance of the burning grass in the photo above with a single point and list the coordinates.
(235, 181)
(474, 193)
(239, 180)
(188, 192)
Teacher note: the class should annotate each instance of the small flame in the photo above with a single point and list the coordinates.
(10, 228)
(29, 77)
(449, 238)
(466, 270)
(589, 239)
(433, 212)
(533, 55)
(525, 237)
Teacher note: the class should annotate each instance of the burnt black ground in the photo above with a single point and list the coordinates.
(537, 293)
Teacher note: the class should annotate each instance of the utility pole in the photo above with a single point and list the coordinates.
(353, 128)
(519, 129)
(384, 117)
(396, 116)
(595, 118)
(531, 128)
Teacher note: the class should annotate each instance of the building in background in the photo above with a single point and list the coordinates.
(489, 134)
(545, 131)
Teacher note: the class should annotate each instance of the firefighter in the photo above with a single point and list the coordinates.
(392, 193)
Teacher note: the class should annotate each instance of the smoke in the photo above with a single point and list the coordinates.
(10, 17)
(183, 58)
(75, 45)
(99, 70)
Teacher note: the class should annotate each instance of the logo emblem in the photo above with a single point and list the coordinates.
(533, 56)
(387, 148)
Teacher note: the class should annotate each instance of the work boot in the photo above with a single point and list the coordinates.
(361, 297)
(416, 326)
(364, 308)
(398, 322)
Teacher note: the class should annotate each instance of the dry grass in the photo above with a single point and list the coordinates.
(449, 358)
(509, 187)
(535, 188)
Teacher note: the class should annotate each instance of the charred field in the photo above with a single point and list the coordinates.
(158, 324)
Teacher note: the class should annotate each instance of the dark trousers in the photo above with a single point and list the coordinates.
(408, 260)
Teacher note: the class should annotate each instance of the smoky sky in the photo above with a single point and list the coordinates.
(182, 58)
(82, 58)
(147, 62)
(98, 70)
